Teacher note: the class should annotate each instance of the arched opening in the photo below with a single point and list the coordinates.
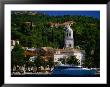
(67, 34)
(69, 45)
(70, 34)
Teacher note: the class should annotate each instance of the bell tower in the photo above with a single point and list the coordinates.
(69, 40)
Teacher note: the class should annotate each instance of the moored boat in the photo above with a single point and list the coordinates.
(70, 70)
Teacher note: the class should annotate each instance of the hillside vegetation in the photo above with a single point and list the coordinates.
(32, 29)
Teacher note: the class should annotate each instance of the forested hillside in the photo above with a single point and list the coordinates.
(33, 30)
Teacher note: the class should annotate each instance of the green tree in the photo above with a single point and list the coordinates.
(62, 60)
(50, 63)
(44, 64)
(29, 64)
(72, 60)
(86, 32)
(88, 62)
(17, 56)
(38, 62)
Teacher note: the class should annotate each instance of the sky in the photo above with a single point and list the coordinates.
(95, 14)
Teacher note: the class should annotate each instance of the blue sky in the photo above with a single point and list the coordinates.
(95, 14)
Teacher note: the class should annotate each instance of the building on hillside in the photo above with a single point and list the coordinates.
(80, 55)
(62, 53)
(48, 52)
(69, 40)
(65, 53)
(45, 52)
(30, 52)
(13, 42)
(56, 54)
(69, 49)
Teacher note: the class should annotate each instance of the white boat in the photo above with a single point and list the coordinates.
(67, 70)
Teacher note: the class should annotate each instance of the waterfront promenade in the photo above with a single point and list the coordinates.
(47, 74)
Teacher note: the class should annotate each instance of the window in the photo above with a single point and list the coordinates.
(11, 43)
(69, 45)
(69, 34)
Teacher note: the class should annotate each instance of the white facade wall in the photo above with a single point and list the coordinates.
(58, 56)
(12, 48)
(32, 58)
(79, 55)
(69, 42)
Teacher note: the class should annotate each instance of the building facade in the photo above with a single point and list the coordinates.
(69, 49)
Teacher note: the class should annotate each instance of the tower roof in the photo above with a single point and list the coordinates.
(68, 28)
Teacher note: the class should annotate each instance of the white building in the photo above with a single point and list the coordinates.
(80, 55)
(32, 59)
(69, 40)
(62, 53)
(65, 53)
(13, 42)
(69, 48)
